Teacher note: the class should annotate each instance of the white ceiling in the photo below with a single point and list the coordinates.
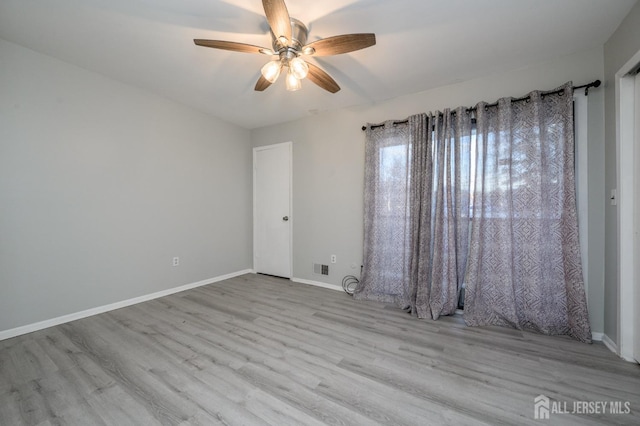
(421, 44)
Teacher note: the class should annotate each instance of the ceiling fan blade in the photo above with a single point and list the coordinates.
(262, 84)
(278, 18)
(233, 46)
(322, 79)
(339, 44)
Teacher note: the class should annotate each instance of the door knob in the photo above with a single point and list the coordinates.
(286, 218)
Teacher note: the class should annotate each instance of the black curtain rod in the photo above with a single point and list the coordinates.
(586, 87)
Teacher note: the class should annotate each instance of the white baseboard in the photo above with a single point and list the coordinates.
(317, 284)
(29, 328)
(612, 346)
(597, 337)
(609, 344)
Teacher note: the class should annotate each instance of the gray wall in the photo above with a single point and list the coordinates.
(619, 49)
(596, 207)
(101, 184)
(328, 164)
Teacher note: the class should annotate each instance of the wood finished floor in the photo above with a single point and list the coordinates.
(257, 350)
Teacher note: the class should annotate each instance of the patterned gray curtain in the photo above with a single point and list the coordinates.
(439, 203)
(417, 212)
(524, 266)
(386, 215)
(490, 207)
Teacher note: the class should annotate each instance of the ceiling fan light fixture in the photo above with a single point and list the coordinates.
(299, 68)
(289, 41)
(271, 71)
(293, 83)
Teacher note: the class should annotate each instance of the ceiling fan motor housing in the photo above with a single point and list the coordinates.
(299, 34)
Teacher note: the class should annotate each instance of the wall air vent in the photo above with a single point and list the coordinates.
(320, 269)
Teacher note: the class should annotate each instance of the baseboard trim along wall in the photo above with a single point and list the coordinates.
(609, 344)
(597, 336)
(317, 284)
(13, 332)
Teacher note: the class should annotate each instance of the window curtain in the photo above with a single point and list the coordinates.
(439, 202)
(416, 221)
(524, 266)
(491, 206)
(387, 216)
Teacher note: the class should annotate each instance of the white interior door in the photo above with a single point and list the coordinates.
(636, 225)
(272, 209)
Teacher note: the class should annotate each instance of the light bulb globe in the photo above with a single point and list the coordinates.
(293, 83)
(271, 71)
(299, 68)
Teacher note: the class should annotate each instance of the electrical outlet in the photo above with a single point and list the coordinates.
(334, 259)
(176, 261)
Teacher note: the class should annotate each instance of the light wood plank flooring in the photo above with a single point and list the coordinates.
(257, 350)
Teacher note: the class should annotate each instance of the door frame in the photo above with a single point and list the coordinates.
(291, 215)
(626, 201)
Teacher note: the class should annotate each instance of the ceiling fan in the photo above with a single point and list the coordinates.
(289, 44)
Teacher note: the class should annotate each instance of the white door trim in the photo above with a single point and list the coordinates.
(625, 116)
(289, 145)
